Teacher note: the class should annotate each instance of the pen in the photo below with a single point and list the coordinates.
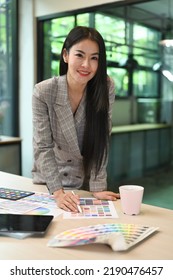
(78, 206)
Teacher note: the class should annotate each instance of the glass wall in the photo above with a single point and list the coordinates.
(131, 48)
(8, 68)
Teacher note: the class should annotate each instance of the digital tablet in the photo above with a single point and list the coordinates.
(21, 223)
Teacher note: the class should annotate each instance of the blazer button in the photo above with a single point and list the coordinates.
(69, 160)
(59, 147)
(65, 174)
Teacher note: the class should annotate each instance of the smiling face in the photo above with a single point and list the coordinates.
(82, 60)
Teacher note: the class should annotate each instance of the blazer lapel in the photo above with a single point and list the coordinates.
(65, 116)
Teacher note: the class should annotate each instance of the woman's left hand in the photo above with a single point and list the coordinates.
(108, 195)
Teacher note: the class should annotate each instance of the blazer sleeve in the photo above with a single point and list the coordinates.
(100, 183)
(45, 168)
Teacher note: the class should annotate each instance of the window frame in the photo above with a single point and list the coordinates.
(40, 23)
(11, 73)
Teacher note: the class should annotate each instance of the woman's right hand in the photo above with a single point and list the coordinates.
(66, 200)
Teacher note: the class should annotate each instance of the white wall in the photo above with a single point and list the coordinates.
(28, 11)
(47, 7)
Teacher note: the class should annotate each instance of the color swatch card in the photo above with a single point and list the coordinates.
(43, 198)
(38, 203)
(18, 207)
(93, 208)
(119, 237)
(13, 194)
(47, 204)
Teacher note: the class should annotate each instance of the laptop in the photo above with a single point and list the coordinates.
(23, 223)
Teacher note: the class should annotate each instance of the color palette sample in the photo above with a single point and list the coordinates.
(119, 236)
(43, 198)
(18, 207)
(93, 208)
(39, 211)
(13, 194)
(37, 204)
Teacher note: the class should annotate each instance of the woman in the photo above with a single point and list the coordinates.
(72, 121)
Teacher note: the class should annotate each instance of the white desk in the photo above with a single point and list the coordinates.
(159, 246)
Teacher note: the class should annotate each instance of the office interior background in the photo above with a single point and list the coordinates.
(138, 59)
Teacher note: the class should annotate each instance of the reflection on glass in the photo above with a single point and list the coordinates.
(55, 32)
(120, 78)
(145, 84)
(121, 39)
(7, 64)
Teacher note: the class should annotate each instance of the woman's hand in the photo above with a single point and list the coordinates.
(108, 195)
(66, 200)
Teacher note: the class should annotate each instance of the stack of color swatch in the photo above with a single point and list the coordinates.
(119, 236)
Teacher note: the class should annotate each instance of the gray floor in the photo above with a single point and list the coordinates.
(158, 188)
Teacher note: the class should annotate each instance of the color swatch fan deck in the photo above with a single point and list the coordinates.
(120, 237)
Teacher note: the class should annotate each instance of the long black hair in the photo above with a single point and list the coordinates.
(96, 135)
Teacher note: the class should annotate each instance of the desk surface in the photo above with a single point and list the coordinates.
(159, 246)
(139, 127)
(9, 140)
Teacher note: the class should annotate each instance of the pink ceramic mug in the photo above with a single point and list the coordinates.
(131, 199)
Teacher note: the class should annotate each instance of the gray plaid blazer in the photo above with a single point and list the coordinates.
(57, 138)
